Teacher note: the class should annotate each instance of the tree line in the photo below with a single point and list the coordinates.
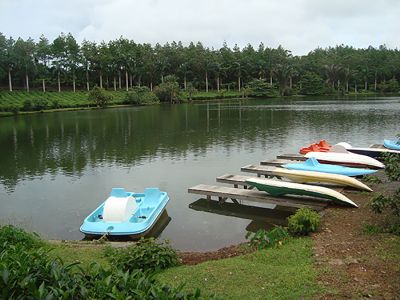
(121, 64)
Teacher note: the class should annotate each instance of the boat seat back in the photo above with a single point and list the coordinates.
(338, 149)
(119, 193)
(152, 196)
(312, 161)
(118, 208)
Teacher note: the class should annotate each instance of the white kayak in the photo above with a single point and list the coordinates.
(371, 152)
(339, 155)
(319, 177)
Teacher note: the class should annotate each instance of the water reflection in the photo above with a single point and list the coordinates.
(56, 168)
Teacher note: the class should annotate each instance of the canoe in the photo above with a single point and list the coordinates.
(126, 213)
(322, 146)
(339, 155)
(279, 188)
(301, 176)
(313, 164)
(371, 152)
(391, 144)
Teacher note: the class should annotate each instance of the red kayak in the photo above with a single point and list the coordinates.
(322, 146)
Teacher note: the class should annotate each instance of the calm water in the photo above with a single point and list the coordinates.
(56, 168)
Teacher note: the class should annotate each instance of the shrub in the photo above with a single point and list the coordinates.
(168, 91)
(40, 104)
(99, 96)
(27, 105)
(263, 239)
(145, 255)
(392, 166)
(10, 235)
(303, 222)
(261, 88)
(141, 96)
(31, 273)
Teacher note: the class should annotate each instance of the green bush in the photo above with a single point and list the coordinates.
(100, 96)
(146, 255)
(168, 91)
(27, 105)
(140, 96)
(303, 222)
(261, 88)
(392, 166)
(263, 239)
(31, 273)
(40, 104)
(10, 235)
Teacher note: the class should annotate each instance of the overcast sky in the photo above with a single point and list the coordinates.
(297, 25)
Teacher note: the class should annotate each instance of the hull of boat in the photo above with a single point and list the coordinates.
(279, 188)
(346, 158)
(375, 153)
(390, 144)
(320, 177)
(151, 205)
(313, 165)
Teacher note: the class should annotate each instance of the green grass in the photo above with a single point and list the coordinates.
(11, 101)
(286, 272)
(85, 253)
(390, 251)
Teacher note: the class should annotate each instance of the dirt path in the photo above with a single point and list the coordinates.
(355, 264)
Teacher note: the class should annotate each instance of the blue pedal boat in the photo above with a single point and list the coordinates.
(391, 144)
(126, 213)
(313, 164)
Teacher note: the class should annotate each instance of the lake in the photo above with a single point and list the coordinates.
(55, 168)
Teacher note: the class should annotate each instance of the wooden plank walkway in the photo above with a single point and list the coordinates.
(298, 157)
(276, 162)
(236, 180)
(224, 193)
(259, 170)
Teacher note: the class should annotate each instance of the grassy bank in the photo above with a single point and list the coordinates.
(16, 101)
(286, 272)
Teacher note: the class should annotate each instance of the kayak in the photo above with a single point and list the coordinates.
(371, 152)
(339, 155)
(301, 176)
(312, 164)
(279, 188)
(392, 144)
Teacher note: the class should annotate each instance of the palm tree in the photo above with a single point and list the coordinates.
(283, 73)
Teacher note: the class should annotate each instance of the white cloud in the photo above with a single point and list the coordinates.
(298, 25)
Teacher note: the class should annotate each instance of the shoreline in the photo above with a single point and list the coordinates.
(82, 108)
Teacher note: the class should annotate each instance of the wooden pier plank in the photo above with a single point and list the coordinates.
(294, 156)
(236, 180)
(276, 162)
(259, 170)
(256, 196)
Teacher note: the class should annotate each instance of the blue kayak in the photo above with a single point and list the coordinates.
(312, 164)
(391, 144)
(126, 213)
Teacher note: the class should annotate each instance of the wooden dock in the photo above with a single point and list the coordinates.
(278, 162)
(236, 180)
(298, 157)
(259, 170)
(223, 193)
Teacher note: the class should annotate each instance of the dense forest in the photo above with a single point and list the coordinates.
(65, 65)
